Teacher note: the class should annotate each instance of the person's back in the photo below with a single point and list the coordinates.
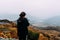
(22, 25)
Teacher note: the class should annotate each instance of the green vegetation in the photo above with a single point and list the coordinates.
(33, 35)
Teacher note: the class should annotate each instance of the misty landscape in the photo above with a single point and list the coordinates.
(38, 30)
(43, 16)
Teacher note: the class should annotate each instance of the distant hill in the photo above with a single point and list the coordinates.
(53, 21)
(5, 21)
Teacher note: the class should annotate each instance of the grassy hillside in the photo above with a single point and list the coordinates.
(9, 30)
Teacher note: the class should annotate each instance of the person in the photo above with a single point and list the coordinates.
(22, 26)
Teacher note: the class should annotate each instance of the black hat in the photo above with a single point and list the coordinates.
(22, 14)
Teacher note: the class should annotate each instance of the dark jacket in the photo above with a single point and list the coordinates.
(22, 25)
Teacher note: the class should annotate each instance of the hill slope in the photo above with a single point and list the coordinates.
(53, 21)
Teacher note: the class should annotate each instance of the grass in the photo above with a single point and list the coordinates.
(33, 35)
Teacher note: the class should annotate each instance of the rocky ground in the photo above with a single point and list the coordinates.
(46, 34)
(8, 31)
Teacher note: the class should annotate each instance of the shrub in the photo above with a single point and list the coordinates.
(33, 35)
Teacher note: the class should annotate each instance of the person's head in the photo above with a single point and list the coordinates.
(22, 14)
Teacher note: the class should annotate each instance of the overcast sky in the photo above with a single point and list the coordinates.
(38, 8)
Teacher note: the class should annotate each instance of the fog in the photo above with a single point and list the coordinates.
(37, 8)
